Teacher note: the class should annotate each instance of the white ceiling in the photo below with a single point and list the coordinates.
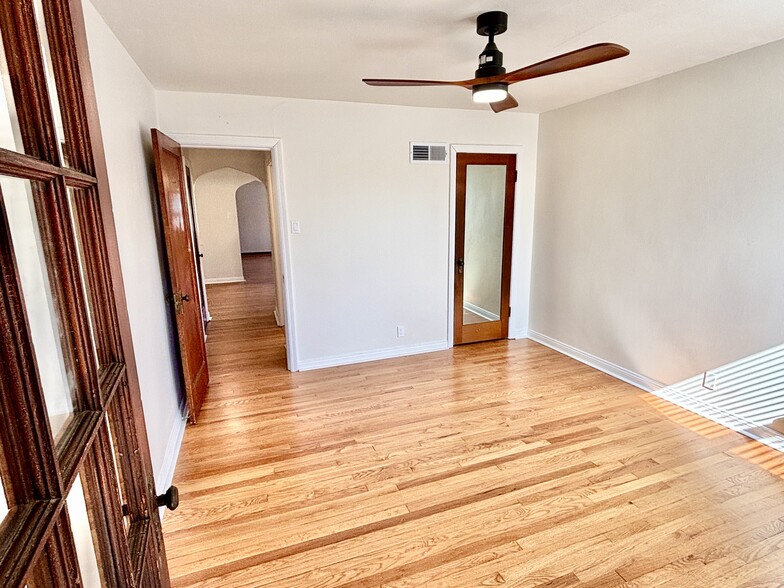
(323, 48)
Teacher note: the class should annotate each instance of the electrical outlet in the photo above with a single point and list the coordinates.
(710, 380)
(401, 331)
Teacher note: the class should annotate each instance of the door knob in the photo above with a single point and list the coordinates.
(185, 298)
(460, 265)
(170, 499)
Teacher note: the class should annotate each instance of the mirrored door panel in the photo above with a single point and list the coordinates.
(485, 206)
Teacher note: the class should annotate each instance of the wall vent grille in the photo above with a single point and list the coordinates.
(428, 152)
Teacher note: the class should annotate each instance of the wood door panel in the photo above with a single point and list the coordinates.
(182, 272)
(45, 48)
(487, 330)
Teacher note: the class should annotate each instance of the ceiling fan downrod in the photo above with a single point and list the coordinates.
(491, 60)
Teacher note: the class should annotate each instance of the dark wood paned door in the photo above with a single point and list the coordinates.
(77, 496)
(182, 271)
(483, 245)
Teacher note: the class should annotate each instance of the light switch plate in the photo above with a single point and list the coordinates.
(295, 228)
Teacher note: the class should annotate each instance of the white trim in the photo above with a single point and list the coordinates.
(478, 310)
(518, 334)
(165, 476)
(229, 280)
(609, 368)
(275, 146)
(522, 235)
(363, 356)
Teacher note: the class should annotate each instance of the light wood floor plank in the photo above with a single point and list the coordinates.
(503, 463)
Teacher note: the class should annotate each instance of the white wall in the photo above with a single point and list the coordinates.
(253, 217)
(373, 252)
(219, 234)
(127, 109)
(659, 214)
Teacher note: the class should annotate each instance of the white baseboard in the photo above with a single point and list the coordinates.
(484, 313)
(229, 280)
(616, 371)
(521, 334)
(165, 476)
(363, 356)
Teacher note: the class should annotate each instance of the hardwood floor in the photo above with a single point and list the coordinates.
(489, 464)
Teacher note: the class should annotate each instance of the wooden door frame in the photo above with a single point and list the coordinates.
(522, 238)
(275, 146)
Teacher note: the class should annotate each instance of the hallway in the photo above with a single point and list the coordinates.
(500, 463)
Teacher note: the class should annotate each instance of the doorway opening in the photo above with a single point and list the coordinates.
(235, 225)
(235, 233)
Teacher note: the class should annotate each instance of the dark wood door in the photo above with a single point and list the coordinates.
(77, 495)
(177, 233)
(483, 245)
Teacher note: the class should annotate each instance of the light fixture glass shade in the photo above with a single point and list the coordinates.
(488, 93)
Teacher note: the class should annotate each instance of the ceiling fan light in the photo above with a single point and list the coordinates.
(488, 93)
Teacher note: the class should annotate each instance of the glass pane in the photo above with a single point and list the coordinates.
(10, 136)
(484, 242)
(50, 81)
(54, 368)
(72, 203)
(83, 539)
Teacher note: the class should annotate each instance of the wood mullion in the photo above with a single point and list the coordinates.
(97, 276)
(105, 511)
(24, 535)
(78, 437)
(57, 566)
(130, 460)
(24, 166)
(28, 80)
(139, 542)
(156, 566)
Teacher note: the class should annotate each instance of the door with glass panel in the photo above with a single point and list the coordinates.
(483, 245)
(78, 504)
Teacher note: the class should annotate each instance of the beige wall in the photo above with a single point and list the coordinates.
(659, 213)
(219, 236)
(203, 161)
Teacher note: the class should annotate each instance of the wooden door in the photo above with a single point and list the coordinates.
(483, 245)
(177, 231)
(77, 495)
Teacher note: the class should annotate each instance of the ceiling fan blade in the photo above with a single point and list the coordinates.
(505, 104)
(386, 82)
(584, 57)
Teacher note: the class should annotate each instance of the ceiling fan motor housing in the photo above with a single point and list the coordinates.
(491, 60)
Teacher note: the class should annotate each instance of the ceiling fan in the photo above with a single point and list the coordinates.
(491, 82)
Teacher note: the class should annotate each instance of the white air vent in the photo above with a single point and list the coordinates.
(428, 152)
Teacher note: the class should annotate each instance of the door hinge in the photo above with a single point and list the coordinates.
(515, 176)
(510, 311)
